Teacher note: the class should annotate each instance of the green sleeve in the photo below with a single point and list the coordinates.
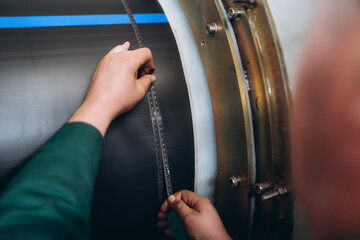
(50, 197)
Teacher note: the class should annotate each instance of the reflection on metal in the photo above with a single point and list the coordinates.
(244, 1)
(250, 97)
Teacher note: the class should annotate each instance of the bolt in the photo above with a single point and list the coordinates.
(235, 180)
(211, 28)
(262, 187)
(281, 191)
(235, 13)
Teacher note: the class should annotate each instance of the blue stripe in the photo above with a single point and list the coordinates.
(153, 18)
(79, 20)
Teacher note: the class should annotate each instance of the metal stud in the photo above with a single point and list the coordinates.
(262, 187)
(211, 29)
(235, 13)
(235, 180)
(279, 192)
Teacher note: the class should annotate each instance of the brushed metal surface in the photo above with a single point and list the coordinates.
(232, 125)
(270, 99)
(266, 95)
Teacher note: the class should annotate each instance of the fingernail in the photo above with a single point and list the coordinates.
(151, 71)
(171, 198)
(153, 78)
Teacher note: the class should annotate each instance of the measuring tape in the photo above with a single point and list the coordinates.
(163, 169)
(156, 122)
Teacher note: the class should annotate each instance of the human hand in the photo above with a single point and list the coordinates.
(199, 217)
(115, 87)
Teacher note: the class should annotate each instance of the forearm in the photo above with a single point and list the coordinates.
(50, 198)
(52, 193)
(93, 115)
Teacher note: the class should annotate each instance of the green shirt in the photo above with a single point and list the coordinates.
(50, 197)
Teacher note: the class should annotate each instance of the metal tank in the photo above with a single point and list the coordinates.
(223, 93)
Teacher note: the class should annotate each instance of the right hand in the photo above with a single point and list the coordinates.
(116, 86)
(199, 217)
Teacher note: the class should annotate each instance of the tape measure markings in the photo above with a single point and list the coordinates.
(163, 169)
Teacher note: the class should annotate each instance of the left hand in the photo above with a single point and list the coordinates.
(198, 216)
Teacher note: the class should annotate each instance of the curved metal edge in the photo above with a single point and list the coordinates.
(245, 98)
(278, 98)
(279, 50)
(288, 95)
(201, 108)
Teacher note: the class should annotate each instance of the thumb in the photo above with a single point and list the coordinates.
(179, 206)
(146, 80)
(121, 48)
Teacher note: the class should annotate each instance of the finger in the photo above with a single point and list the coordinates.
(145, 81)
(187, 195)
(162, 215)
(162, 224)
(193, 200)
(144, 71)
(165, 207)
(121, 48)
(144, 58)
(168, 232)
(179, 206)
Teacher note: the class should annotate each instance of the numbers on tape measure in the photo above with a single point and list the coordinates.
(163, 169)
